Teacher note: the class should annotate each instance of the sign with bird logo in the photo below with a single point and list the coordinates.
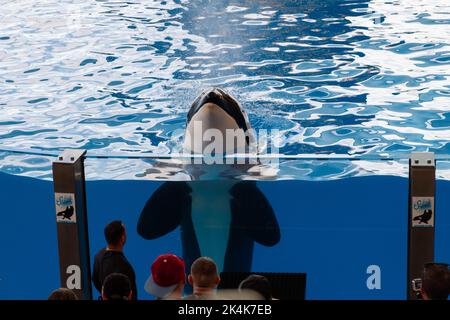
(422, 212)
(65, 208)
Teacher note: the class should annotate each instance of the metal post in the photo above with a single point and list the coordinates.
(421, 215)
(71, 221)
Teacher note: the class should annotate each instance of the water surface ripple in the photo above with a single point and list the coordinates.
(350, 77)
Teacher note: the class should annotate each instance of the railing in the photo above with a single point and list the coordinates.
(91, 154)
(151, 166)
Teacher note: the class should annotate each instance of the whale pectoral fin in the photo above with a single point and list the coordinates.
(254, 213)
(163, 211)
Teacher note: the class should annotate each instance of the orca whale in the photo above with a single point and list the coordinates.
(424, 217)
(67, 213)
(221, 219)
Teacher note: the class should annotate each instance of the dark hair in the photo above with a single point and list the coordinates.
(436, 281)
(116, 286)
(62, 294)
(204, 272)
(114, 231)
(258, 283)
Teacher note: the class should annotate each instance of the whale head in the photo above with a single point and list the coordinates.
(216, 122)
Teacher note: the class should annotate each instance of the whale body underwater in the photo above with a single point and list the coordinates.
(220, 219)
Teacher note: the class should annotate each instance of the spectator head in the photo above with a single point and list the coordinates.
(115, 234)
(116, 286)
(436, 281)
(204, 276)
(257, 283)
(167, 277)
(63, 294)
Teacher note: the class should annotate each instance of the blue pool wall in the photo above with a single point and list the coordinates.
(332, 230)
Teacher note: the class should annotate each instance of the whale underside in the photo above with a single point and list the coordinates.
(252, 220)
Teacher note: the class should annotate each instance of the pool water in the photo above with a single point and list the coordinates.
(351, 77)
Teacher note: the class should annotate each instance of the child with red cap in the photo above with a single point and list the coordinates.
(167, 278)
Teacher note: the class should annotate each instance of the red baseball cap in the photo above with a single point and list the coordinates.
(167, 271)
